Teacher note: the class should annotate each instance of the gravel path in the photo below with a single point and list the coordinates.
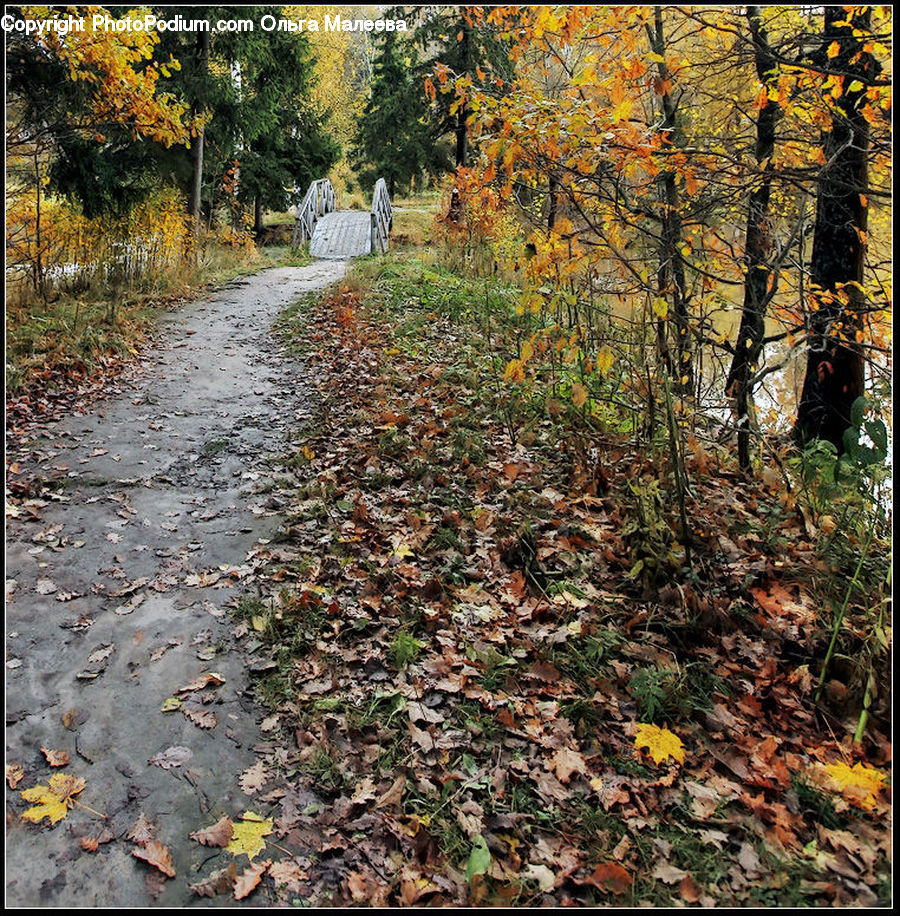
(117, 588)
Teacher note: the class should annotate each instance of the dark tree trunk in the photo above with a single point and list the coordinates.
(554, 201)
(759, 246)
(197, 143)
(670, 275)
(835, 371)
(258, 216)
(462, 130)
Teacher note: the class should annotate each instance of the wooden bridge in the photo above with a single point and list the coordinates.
(340, 234)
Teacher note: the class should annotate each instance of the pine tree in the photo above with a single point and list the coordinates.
(394, 139)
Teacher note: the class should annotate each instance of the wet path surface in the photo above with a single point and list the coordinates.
(117, 587)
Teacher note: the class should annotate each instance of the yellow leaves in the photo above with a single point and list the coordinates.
(54, 800)
(605, 359)
(833, 50)
(659, 742)
(527, 351)
(247, 838)
(622, 111)
(514, 371)
(660, 307)
(858, 784)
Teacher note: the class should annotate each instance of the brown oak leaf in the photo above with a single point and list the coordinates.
(566, 762)
(204, 680)
(56, 758)
(218, 835)
(219, 882)
(253, 778)
(200, 718)
(14, 774)
(288, 874)
(156, 855)
(143, 831)
(249, 879)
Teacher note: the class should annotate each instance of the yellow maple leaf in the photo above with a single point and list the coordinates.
(858, 784)
(54, 800)
(660, 742)
(247, 838)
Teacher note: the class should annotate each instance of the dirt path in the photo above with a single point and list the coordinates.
(119, 584)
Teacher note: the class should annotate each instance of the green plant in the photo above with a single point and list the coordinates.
(648, 534)
(666, 693)
(404, 649)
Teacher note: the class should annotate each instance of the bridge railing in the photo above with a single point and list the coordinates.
(382, 217)
(318, 201)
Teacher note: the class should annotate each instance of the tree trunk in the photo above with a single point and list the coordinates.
(670, 275)
(257, 216)
(758, 247)
(835, 371)
(554, 200)
(197, 145)
(462, 129)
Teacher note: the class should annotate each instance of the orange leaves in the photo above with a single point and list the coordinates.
(154, 853)
(124, 92)
(611, 878)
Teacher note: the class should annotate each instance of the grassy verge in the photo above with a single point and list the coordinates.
(478, 601)
(57, 346)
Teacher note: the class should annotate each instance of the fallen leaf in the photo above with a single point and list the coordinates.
(171, 704)
(542, 874)
(253, 778)
(660, 742)
(45, 587)
(479, 858)
(247, 838)
(610, 876)
(154, 853)
(394, 794)
(172, 757)
(54, 800)
(668, 873)
(218, 835)
(688, 890)
(565, 762)
(289, 874)
(101, 654)
(143, 831)
(219, 882)
(200, 718)
(212, 677)
(14, 774)
(56, 758)
(93, 842)
(858, 784)
(249, 879)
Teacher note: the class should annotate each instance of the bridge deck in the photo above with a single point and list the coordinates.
(342, 234)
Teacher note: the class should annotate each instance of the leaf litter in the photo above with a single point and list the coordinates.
(469, 646)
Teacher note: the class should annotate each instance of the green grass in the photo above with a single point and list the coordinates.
(49, 346)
